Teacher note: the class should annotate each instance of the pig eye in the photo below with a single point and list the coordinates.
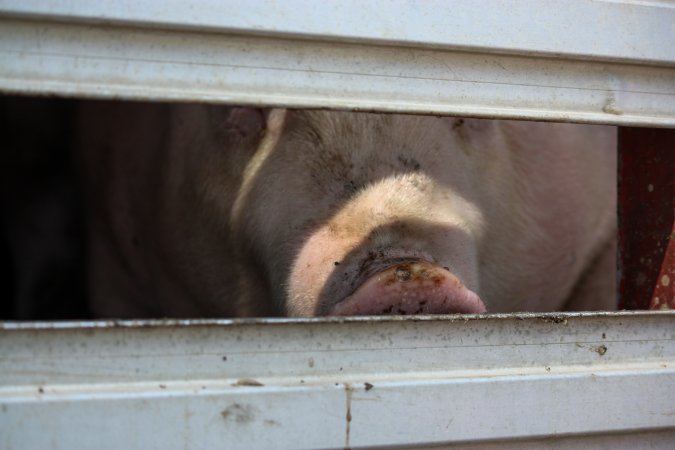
(409, 163)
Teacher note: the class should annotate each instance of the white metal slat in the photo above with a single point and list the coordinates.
(292, 384)
(193, 52)
(563, 28)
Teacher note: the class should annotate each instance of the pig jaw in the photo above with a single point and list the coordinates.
(410, 287)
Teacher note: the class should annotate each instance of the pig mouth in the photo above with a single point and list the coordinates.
(406, 286)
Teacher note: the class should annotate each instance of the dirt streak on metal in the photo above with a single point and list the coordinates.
(556, 317)
(348, 398)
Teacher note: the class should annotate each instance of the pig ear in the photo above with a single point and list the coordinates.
(246, 122)
(252, 121)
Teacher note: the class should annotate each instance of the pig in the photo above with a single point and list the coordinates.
(201, 210)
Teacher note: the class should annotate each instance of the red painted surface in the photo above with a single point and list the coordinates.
(646, 259)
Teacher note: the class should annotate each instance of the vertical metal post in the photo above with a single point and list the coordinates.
(646, 257)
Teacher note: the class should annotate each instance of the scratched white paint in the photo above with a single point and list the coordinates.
(567, 61)
(411, 382)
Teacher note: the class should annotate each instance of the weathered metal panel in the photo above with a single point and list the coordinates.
(646, 218)
(336, 383)
(561, 27)
(591, 380)
(269, 55)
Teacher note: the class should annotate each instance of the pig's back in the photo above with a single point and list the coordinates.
(554, 219)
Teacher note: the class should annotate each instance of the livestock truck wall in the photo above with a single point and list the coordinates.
(570, 380)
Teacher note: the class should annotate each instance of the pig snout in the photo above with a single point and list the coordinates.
(398, 268)
(410, 287)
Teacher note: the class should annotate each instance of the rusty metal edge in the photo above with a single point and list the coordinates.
(553, 317)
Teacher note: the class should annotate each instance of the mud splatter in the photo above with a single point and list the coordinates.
(247, 382)
(241, 414)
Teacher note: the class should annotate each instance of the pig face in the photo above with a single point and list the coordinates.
(363, 214)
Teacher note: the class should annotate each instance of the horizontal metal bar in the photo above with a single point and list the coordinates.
(571, 28)
(74, 59)
(336, 383)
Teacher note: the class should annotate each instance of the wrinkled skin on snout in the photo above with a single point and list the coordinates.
(200, 211)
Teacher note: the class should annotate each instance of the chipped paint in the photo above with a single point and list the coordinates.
(611, 107)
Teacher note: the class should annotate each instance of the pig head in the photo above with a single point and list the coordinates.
(202, 211)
